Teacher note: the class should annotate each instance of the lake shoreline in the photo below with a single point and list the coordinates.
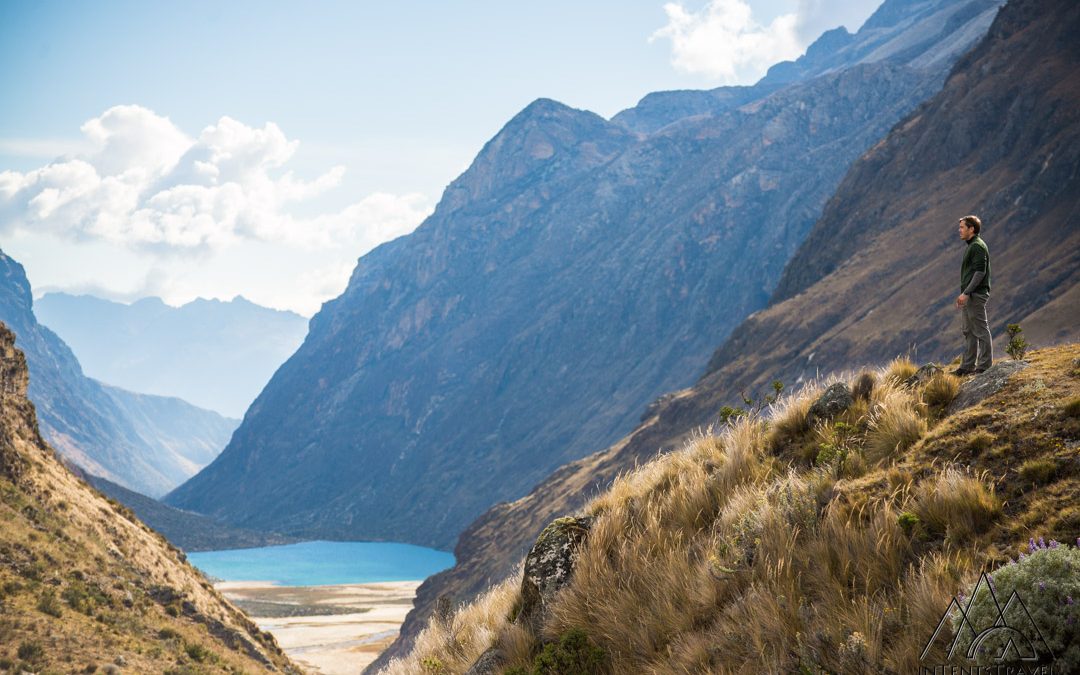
(336, 629)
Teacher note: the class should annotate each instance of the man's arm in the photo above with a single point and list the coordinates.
(979, 274)
(976, 279)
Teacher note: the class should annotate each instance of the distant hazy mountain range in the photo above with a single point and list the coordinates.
(879, 271)
(578, 269)
(214, 354)
(147, 443)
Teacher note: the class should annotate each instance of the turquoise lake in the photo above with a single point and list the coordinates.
(318, 563)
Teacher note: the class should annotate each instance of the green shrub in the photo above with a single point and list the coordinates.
(30, 652)
(167, 634)
(84, 598)
(1047, 583)
(729, 414)
(49, 604)
(433, 665)
(197, 652)
(1017, 346)
(908, 522)
(573, 654)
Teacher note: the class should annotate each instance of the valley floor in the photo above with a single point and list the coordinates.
(332, 630)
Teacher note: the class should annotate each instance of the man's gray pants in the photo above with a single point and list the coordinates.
(978, 344)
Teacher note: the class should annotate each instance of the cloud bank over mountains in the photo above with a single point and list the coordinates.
(148, 184)
(726, 42)
(180, 216)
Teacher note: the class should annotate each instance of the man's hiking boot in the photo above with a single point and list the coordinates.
(981, 370)
(962, 371)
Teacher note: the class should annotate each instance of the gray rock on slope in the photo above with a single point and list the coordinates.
(833, 401)
(985, 384)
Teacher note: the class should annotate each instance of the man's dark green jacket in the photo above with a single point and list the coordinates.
(976, 259)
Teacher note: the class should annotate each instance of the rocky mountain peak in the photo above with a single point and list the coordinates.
(546, 134)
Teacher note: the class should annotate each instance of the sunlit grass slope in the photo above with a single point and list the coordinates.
(773, 544)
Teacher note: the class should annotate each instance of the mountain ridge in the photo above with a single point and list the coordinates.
(501, 326)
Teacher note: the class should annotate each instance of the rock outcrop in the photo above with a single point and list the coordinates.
(833, 401)
(985, 384)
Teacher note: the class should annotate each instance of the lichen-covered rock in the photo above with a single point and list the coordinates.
(14, 376)
(836, 399)
(489, 663)
(985, 384)
(923, 375)
(549, 566)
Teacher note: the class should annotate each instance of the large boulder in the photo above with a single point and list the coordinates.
(985, 384)
(549, 567)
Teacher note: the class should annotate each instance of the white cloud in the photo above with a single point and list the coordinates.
(144, 183)
(726, 43)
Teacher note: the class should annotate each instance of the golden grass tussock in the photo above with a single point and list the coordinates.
(734, 553)
(941, 390)
(788, 421)
(452, 645)
(894, 424)
(956, 503)
(900, 369)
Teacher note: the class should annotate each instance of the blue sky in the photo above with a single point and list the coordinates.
(294, 137)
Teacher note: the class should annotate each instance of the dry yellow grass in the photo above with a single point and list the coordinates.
(736, 554)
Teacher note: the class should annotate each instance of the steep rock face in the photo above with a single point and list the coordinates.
(467, 360)
(924, 182)
(213, 354)
(146, 443)
(84, 583)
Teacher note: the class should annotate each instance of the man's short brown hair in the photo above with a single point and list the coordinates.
(973, 222)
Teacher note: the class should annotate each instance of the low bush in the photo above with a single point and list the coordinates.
(30, 652)
(1046, 581)
(1072, 408)
(573, 654)
(49, 604)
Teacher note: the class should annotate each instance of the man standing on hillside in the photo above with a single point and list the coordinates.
(974, 292)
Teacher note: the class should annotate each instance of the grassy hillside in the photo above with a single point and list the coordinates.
(880, 269)
(85, 586)
(783, 544)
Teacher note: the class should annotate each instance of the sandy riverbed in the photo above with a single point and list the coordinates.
(332, 630)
